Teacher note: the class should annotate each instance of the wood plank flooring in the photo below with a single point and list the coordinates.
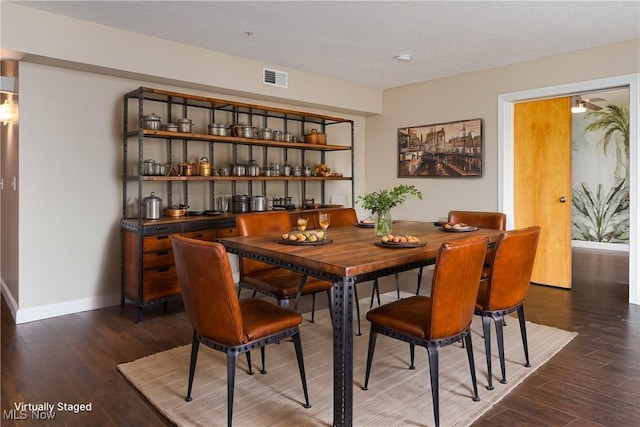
(594, 381)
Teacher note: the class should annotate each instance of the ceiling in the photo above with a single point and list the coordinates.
(358, 41)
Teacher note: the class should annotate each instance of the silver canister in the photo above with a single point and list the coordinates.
(297, 171)
(257, 204)
(239, 204)
(252, 168)
(287, 137)
(265, 133)
(286, 170)
(238, 169)
(151, 207)
(277, 135)
(147, 167)
(184, 125)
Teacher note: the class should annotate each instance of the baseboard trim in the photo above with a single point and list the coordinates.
(620, 247)
(8, 297)
(25, 315)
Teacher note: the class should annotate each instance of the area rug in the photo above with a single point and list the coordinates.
(397, 396)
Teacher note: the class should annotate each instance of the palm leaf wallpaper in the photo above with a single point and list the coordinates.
(600, 196)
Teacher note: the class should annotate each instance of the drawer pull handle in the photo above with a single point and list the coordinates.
(162, 228)
(162, 253)
(162, 237)
(163, 269)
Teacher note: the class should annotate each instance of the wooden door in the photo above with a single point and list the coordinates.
(542, 184)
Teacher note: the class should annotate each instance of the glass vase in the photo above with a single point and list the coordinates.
(383, 223)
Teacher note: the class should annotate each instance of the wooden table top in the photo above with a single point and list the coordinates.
(353, 251)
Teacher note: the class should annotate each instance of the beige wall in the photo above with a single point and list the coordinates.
(468, 96)
(79, 44)
(70, 145)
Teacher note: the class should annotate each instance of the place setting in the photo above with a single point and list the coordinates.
(303, 237)
(400, 241)
(460, 227)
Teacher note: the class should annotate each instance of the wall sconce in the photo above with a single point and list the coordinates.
(8, 86)
(6, 112)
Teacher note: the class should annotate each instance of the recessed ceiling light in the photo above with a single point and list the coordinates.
(403, 57)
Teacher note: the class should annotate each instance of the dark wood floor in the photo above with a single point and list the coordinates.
(593, 381)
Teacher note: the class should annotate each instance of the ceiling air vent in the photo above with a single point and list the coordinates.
(274, 77)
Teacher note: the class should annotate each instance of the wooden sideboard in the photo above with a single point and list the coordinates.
(148, 270)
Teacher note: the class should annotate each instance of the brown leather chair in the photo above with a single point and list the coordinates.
(506, 288)
(441, 319)
(221, 321)
(279, 283)
(493, 220)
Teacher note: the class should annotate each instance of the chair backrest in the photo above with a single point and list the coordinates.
(494, 220)
(454, 288)
(207, 288)
(510, 275)
(258, 224)
(340, 217)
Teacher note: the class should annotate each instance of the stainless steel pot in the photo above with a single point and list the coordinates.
(151, 121)
(184, 125)
(243, 131)
(218, 130)
(151, 207)
(147, 167)
(257, 204)
(265, 133)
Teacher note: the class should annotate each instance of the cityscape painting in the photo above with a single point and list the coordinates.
(451, 149)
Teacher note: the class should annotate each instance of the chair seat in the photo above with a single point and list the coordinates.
(283, 283)
(261, 318)
(409, 316)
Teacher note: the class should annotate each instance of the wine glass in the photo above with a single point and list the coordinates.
(324, 220)
(302, 224)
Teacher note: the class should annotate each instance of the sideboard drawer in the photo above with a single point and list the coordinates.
(209, 235)
(157, 258)
(227, 232)
(156, 243)
(160, 282)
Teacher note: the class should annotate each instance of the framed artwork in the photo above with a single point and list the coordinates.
(452, 149)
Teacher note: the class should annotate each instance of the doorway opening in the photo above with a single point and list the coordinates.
(506, 153)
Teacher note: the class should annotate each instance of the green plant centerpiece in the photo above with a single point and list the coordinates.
(379, 203)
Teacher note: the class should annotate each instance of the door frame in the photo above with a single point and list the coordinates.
(506, 103)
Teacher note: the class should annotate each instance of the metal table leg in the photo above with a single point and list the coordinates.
(342, 306)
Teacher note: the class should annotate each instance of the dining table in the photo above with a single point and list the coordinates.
(349, 255)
